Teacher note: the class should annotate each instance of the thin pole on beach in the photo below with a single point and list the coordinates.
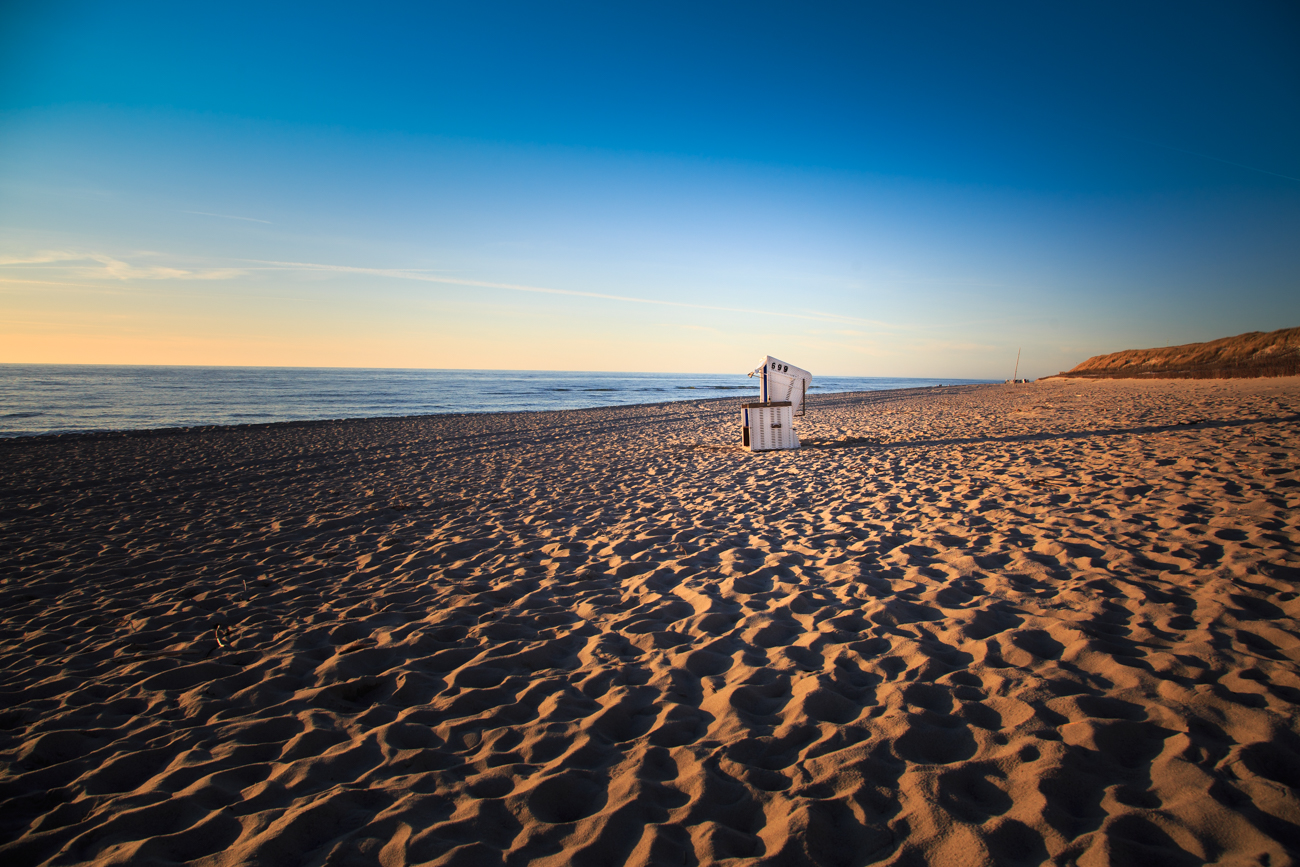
(1015, 375)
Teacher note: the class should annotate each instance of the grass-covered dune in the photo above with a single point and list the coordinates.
(1276, 353)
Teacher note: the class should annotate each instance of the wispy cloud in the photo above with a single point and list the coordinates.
(78, 264)
(229, 217)
(96, 265)
(19, 281)
(45, 257)
(427, 277)
(126, 271)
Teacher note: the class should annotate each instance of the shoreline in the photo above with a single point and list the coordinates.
(164, 431)
(1054, 622)
(103, 400)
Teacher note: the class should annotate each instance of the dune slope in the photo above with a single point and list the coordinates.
(1276, 353)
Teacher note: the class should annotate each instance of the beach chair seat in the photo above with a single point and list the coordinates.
(768, 425)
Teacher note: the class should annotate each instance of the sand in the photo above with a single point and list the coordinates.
(1048, 623)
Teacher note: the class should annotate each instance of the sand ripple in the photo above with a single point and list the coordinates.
(1054, 623)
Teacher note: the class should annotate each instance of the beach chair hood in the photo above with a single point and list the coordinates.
(781, 380)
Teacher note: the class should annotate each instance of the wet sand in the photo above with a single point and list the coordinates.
(1050, 623)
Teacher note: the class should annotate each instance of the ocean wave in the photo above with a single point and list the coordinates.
(50, 398)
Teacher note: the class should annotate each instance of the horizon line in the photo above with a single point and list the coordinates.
(455, 369)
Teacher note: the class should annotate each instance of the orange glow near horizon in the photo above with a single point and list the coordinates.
(90, 315)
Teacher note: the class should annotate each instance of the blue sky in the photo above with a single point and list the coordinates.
(865, 189)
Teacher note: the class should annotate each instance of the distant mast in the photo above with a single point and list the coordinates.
(1016, 375)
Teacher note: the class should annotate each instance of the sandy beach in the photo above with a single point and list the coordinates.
(1048, 623)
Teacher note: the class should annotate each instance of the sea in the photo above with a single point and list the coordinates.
(68, 398)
